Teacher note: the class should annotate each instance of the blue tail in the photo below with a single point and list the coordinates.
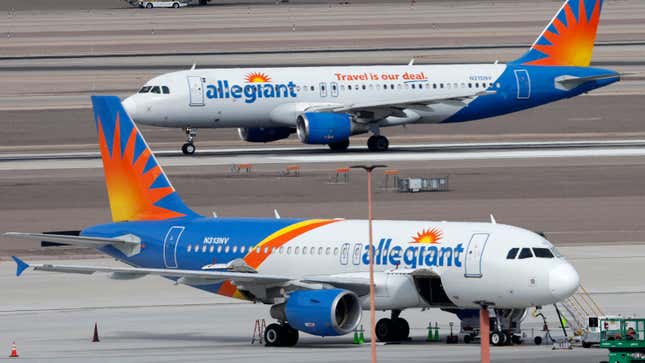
(21, 265)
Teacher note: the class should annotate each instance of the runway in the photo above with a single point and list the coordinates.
(150, 319)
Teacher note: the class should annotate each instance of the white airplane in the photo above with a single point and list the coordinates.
(312, 272)
(327, 105)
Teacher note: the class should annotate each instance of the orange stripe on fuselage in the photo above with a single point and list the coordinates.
(274, 240)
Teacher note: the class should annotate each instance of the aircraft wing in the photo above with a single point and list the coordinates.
(188, 277)
(359, 283)
(571, 82)
(371, 106)
(129, 244)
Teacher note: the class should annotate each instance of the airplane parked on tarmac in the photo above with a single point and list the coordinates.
(312, 272)
(327, 105)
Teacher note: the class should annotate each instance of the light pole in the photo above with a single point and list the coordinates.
(368, 169)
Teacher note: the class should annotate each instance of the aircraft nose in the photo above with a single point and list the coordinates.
(130, 107)
(563, 281)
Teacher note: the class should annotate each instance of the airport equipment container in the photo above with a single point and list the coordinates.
(413, 185)
(625, 339)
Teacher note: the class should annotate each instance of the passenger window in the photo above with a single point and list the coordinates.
(242, 249)
(349, 87)
(281, 250)
(296, 251)
(288, 250)
(336, 251)
(212, 249)
(226, 249)
(434, 85)
(320, 251)
(234, 249)
(190, 248)
(304, 250)
(313, 88)
(542, 253)
(145, 89)
(328, 251)
(470, 85)
(165, 90)
(219, 248)
(364, 87)
(525, 253)
(392, 86)
(155, 89)
(441, 85)
(413, 86)
(512, 253)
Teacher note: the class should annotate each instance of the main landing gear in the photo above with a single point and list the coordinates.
(339, 146)
(378, 143)
(280, 335)
(392, 330)
(189, 147)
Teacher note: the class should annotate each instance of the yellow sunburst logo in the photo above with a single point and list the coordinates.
(432, 235)
(257, 77)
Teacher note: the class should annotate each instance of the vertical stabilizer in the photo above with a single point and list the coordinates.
(137, 187)
(568, 40)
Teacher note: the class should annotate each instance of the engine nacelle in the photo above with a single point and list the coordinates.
(320, 312)
(323, 127)
(264, 134)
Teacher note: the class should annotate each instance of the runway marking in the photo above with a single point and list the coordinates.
(269, 156)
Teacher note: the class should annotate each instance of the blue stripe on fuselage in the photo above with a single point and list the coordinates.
(542, 91)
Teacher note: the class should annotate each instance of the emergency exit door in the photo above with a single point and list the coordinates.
(196, 91)
(474, 253)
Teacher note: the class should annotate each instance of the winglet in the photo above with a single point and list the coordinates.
(22, 265)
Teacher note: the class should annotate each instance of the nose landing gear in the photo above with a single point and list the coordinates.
(189, 147)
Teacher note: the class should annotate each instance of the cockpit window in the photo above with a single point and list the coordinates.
(512, 253)
(155, 89)
(145, 89)
(555, 252)
(525, 253)
(542, 253)
(165, 90)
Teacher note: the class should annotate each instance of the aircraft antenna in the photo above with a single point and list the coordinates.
(276, 214)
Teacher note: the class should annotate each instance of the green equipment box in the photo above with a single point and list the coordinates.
(625, 339)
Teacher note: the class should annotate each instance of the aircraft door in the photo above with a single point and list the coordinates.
(523, 84)
(170, 246)
(323, 89)
(474, 254)
(334, 89)
(344, 254)
(196, 91)
(356, 256)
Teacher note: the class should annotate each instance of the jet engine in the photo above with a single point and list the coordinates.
(323, 127)
(264, 134)
(320, 312)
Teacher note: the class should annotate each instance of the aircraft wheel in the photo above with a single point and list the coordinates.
(402, 328)
(188, 148)
(378, 143)
(273, 335)
(497, 338)
(290, 336)
(385, 330)
(339, 146)
(149, 6)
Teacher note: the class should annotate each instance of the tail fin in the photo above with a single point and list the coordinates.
(137, 186)
(569, 38)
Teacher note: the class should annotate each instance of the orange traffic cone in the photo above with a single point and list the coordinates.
(14, 351)
(95, 338)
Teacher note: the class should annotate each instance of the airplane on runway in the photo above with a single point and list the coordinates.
(312, 272)
(327, 105)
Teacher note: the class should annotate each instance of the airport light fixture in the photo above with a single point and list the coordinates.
(369, 169)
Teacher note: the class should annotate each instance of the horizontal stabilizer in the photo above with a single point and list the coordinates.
(129, 244)
(568, 83)
(199, 277)
(21, 265)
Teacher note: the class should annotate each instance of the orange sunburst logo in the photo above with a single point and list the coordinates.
(571, 43)
(129, 187)
(257, 77)
(430, 236)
